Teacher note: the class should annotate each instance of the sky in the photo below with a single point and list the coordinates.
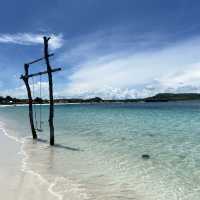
(113, 49)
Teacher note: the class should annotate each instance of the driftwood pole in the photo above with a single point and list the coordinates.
(30, 100)
(48, 71)
(51, 103)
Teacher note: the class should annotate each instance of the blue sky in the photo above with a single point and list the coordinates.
(107, 48)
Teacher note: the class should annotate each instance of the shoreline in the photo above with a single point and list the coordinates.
(160, 97)
(103, 103)
(19, 178)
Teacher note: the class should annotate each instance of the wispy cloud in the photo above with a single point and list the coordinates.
(129, 73)
(21, 92)
(120, 72)
(31, 39)
(186, 80)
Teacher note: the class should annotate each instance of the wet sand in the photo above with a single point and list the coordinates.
(15, 182)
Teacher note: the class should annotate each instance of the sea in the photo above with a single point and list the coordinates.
(99, 150)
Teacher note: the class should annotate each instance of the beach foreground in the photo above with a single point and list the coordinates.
(98, 153)
(17, 183)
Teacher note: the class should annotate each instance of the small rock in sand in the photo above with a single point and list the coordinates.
(146, 156)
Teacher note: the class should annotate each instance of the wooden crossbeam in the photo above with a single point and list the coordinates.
(39, 59)
(39, 73)
(25, 77)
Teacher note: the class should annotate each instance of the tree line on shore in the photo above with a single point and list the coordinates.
(162, 97)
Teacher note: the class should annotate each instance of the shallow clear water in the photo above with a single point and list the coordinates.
(100, 149)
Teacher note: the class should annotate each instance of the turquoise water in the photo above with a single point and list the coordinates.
(100, 147)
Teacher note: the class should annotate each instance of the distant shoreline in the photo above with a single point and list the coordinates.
(161, 97)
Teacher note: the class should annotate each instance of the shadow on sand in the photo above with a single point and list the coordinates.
(61, 146)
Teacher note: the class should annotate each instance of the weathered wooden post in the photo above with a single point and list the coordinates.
(30, 100)
(48, 71)
(51, 103)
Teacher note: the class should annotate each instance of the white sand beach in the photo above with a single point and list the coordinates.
(15, 182)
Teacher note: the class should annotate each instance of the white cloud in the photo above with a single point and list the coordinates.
(186, 80)
(188, 77)
(134, 74)
(31, 39)
(125, 73)
(21, 92)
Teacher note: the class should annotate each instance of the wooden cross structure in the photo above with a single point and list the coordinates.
(49, 72)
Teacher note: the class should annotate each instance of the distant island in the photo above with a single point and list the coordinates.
(161, 97)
